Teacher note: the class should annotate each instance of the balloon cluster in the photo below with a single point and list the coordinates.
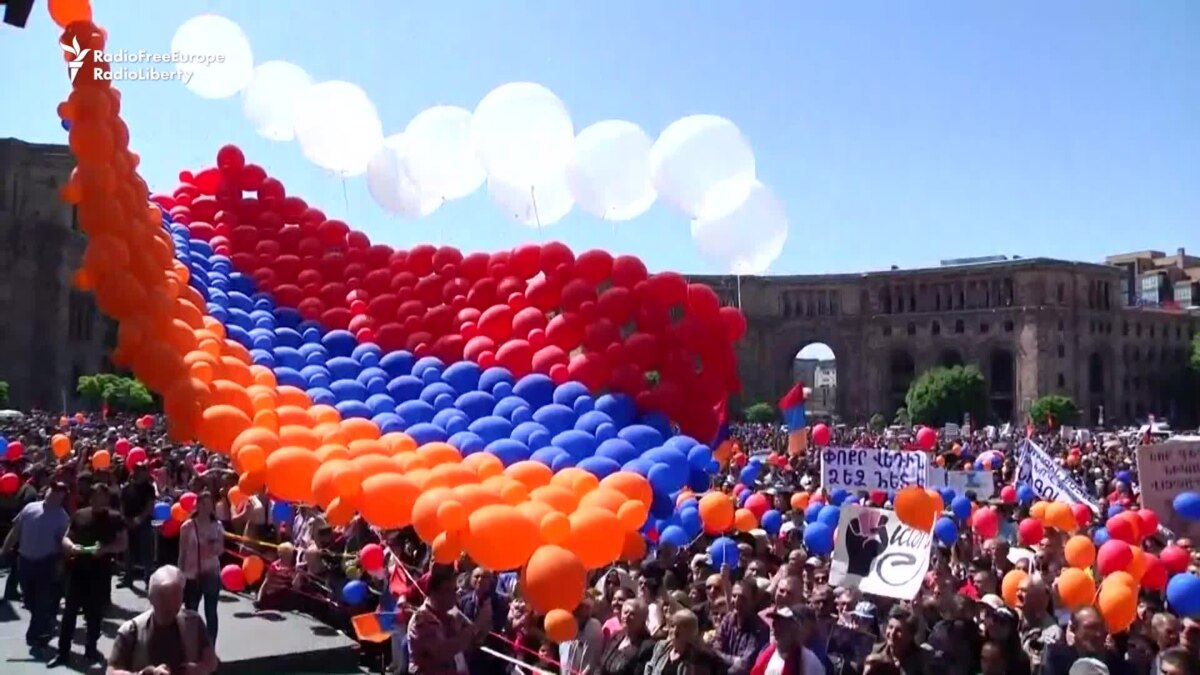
(520, 140)
(596, 319)
(488, 435)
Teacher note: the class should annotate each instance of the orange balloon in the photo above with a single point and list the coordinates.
(447, 548)
(367, 446)
(1120, 578)
(323, 489)
(1118, 605)
(744, 520)
(484, 464)
(499, 537)
(914, 508)
(357, 428)
(252, 569)
(178, 513)
(387, 500)
(398, 442)
(264, 438)
(532, 474)
(290, 472)
(1137, 566)
(562, 499)
(452, 516)
(347, 482)
(220, 425)
(1080, 551)
(340, 512)
(716, 512)
(1038, 511)
(60, 445)
(555, 528)
(633, 515)
(634, 548)
(604, 498)
(1008, 587)
(1075, 588)
(560, 625)
(439, 453)
(597, 537)
(101, 460)
(800, 500)
(1060, 517)
(630, 484)
(251, 458)
(554, 578)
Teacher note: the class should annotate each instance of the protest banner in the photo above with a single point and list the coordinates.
(1050, 482)
(858, 469)
(1165, 470)
(878, 554)
(982, 483)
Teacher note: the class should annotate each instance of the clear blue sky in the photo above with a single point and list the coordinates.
(895, 133)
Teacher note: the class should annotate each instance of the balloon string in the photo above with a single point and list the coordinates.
(345, 198)
(536, 216)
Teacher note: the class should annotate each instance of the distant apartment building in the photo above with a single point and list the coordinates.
(1155, 279)
(820, 376)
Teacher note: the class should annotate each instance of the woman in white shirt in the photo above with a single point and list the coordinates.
(201, 542)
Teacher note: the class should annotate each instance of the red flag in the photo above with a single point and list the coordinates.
(104, 411)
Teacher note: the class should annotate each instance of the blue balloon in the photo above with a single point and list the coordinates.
(1114, 510)
(664, 479)
(961, 507)
(536, 388)
(1100, 536)
(426, 432)
(493, 379)
(591, 421)
(620, 407)
(65, 124)
(829, 515)
(463, 376)
(1187, 504)
(1183, 595)
(555, 417)
(699, 481)
(568, 392)
(600, 467)
(509, 451)
(282, 512)
(749, 474)
(818, 538)
(162, 510)
(641, 436)
(812, 512)
(946, 531)
(699, 456)
(617, 450)
(492, 428)
(673, 535)
(579, 443)
(1125, 477)
(839, 496)
(947, 494)
(723, 552)
(1025, 494)
(354, 592)
(467, 442)
(689, 519)
(681, 443)
(771, 522)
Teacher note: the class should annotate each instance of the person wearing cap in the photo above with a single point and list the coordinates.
(39, 536)
(786, 653)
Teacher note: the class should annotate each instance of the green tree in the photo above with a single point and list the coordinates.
(877, 423)
(760, 413)
(944, 394)
(120, 393)
(3, 392)
(902, 418)
(1054, 409)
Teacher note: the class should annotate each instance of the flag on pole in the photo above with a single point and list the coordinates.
(723, 431)
(796, 418)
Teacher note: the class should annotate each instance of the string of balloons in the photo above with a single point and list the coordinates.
(519, 141)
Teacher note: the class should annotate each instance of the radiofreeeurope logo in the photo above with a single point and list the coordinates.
(128, 66)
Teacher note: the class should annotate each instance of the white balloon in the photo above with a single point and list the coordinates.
(391, 186)
(213, 55)
(695, 155)
(338, 127)
(543, 204)
(522, 133)
(441, 158)
(749, 238)
(610, 174)
(269, 101)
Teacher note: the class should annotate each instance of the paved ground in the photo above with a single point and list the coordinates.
(250, 642)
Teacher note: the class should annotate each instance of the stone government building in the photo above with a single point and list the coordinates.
(1033, 326)
(1112, 336)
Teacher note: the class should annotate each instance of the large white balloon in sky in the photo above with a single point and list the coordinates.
(441, 159)
(338, 127)
(610, 173)
(269, 101)
(522, 133)
(536, 206)
(703, 166)
(213, 55)
(392, 187)
(749, 238)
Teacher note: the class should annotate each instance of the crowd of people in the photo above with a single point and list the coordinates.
(72, 526)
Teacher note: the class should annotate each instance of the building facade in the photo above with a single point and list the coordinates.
(1155, 279)
(50, 333)
(1033, 327)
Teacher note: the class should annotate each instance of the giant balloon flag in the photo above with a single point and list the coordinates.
(499, 404)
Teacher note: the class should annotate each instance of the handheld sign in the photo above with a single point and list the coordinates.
(858, 469)
(878, 554)
(1164, 471)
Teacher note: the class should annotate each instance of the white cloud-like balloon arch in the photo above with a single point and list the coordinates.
(520, 141)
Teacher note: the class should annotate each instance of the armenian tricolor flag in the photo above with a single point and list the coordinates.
(796, 418)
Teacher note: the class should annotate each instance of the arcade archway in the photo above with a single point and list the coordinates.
(815, 365)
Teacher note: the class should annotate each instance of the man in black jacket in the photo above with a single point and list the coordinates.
(1087, 626)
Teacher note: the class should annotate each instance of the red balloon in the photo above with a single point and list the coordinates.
(14, 451)
(565, 330)
(628, 271)
(594, 266)
(1124, 527)
(1149, 522)
(758, 504)
(926, 438)
(231, 157)
(1114, 555)
(516, 356)
(1175, 558)
(821, 435)
(1082, 513)
(9, 483)
(1030, 532)
(986, 522)
(1155, 576)
(703, 302)
(371, 557)
(136, 456)
(1008, 494)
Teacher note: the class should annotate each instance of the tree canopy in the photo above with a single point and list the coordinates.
(1054, 410)
(115, 391)
(944, 394)
(3, 392)
(760, 413)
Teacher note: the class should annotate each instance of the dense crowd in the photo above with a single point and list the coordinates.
(75, 520)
